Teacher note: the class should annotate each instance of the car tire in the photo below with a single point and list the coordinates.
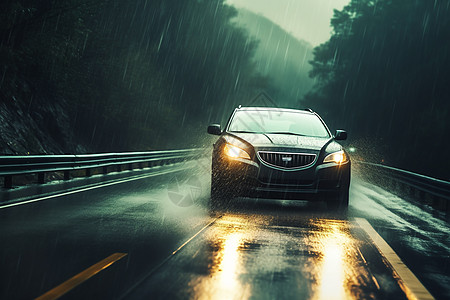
(339, 202)
(220, 193)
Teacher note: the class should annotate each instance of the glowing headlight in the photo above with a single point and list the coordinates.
(235, 152)
(337, 157)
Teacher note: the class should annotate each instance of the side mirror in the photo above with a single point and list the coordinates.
(214, 129)
(340, 135)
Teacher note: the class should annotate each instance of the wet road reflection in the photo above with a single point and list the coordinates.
(341, 272)
(225, 266)
(228, 263)
(267, 257)
(257, 249)
(223, 282)
(331, 246)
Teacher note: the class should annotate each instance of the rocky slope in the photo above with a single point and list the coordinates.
(39, 125)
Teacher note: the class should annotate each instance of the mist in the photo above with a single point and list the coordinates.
(109, 75)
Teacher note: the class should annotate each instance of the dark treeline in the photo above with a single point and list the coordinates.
(116, 75)
(127, 75)
(385, 76)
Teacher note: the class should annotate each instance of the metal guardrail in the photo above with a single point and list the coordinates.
(429, 190)
(423, 188)
(41, 164)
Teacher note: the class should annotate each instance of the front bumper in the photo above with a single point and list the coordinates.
(255, 180)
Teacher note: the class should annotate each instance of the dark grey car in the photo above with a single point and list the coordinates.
(280, 154)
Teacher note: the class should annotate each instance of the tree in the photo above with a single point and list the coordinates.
(383, 74)
(127, 73)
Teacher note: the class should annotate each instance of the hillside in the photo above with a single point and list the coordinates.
(106, 77)
(280, 56)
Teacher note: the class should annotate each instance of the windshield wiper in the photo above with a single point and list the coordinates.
(290, 133)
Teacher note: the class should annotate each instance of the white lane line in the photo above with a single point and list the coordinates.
(91, 188)
(154, 269)
(409, 283)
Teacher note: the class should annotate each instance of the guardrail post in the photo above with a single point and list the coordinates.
(435, 202)
(105, 170)
(8, 182)
(66, 175)
(88, 172)
(119, 168)
(426, 198)
(41, 178)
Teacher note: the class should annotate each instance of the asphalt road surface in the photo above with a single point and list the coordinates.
(155, 237)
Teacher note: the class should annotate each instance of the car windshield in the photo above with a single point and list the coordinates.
(278, 122)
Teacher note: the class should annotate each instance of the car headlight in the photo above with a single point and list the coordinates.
(336, 157)
(235, 152)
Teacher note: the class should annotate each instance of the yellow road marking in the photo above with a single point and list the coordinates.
(409, 283)
(78, 279)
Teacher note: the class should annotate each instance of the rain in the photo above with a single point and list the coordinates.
(119, 146)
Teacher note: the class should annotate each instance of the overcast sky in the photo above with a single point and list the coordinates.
(305, 19)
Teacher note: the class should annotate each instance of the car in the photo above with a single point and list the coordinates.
(279, 153)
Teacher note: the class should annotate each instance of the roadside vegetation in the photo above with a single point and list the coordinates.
(109, 75)
(384, 76)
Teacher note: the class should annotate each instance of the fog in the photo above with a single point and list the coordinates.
(109, 75)
(307, 20)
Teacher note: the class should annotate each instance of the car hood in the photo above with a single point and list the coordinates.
(260, 140)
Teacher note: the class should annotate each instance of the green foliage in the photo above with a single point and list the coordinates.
(133, 75)
(384, 74)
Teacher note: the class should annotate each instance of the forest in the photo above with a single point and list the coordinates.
(81, 76)
(121, 75)
(384, 75)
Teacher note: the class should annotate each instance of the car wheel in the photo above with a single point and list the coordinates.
(220, 193)
(339, 202)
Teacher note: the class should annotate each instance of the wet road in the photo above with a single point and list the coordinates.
(266, 257)
(171, 246)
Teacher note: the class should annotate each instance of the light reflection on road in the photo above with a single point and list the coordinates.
(225, 268)
(229, 261)
(332, 245)
(320, 260)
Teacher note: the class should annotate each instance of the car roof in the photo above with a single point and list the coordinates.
(306, 110)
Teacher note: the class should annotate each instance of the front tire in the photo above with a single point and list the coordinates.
(339, 202)
(220, 193)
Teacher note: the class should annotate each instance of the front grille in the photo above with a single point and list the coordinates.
(287, 160)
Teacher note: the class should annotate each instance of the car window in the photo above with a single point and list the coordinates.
(265, 121)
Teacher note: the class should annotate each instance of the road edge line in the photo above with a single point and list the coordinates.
(154, 269)
(409, 283)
